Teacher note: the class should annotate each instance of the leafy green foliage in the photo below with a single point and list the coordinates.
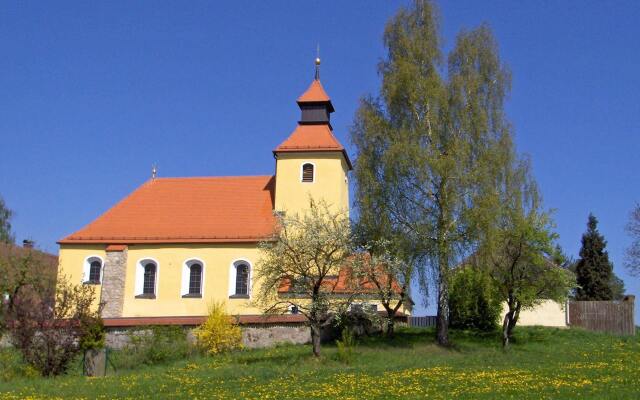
(346, 347)
(473, 302)
(517, 245)
(593, 269)
(13, 367)
(428, 145)
(94, 334)
(218, 334)
(153, 345)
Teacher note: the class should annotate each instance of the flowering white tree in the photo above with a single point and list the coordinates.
(380, 272)
(299, 267)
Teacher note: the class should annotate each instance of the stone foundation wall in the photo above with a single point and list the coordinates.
(113, 277)
(253, 336)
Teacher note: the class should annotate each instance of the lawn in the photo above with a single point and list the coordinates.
(543, 363)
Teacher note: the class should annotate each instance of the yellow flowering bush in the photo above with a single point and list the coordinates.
(218, 334)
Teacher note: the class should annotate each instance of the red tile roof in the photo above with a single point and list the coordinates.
(315, 93)
(312, 138)
(343, 284)
(187, 210)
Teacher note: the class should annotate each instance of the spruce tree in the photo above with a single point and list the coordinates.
(593, 270)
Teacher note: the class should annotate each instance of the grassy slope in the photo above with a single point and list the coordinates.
(544, 363)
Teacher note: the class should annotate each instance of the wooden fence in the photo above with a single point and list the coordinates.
(615, 317)
(422, 322)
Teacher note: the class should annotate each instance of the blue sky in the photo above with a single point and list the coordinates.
(94, 93)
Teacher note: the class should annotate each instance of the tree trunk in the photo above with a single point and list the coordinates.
(510, 320)
(315, 338)
(442, 321)
(505, 328)
(390, 327)
(513, 321)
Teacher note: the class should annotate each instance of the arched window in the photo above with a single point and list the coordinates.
(192, 278)
(92, 270)
(149, 283)
(242, 279)
(307, 172)
(195, 279)
(146, 279)
(240, 285)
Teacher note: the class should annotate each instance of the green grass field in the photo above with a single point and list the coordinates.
(543, 363)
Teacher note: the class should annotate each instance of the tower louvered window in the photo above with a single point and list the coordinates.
(307, 173)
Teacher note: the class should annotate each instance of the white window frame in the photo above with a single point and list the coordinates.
(232, 276)
(314, 171)
(86, 268)
(139, 284)
(186, 275)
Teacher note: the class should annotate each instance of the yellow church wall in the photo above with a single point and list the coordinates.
(217, 261)
(71, 260)
(330, 181)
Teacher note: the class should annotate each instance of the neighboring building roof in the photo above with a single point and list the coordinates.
(187, 210)
(314, 94)
(312, 138)
(340, 284)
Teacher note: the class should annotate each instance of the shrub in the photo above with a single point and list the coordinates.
(94, 334)
(13, 367)
(473, 303)
(346, 346)
(218, 334)
(152, 345)
(48, 324)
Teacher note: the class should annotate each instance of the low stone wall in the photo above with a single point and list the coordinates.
(253, 336)
(265, 336)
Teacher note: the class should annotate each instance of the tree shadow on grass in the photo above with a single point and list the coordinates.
(403, 338)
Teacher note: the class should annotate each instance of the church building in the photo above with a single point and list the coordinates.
(174, 245)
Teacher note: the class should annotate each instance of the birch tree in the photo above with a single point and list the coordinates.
(632, 256)
(426, 146)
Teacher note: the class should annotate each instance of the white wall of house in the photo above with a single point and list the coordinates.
(548, 313)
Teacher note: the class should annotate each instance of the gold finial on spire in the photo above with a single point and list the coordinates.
(317, 78)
